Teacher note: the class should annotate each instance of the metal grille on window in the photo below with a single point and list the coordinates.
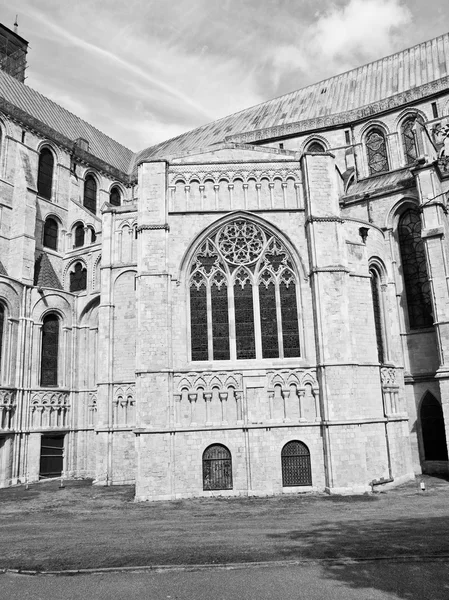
(240, 268)
(375, 292)
(376, 148)
(296, 469)
(50, 349)
(51, 234)
(414, 270)
(217, 468)
(45, 174)
(409, 141)
(78, 278)
(90, 194)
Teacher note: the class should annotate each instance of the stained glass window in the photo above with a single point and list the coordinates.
(51, 234)
(296, 468)
(217, 468)
(409, 140)
(376, 147)
(242, 266)
(375, 292)
(414, 270)
(45, 173)
(78, 278)
(115, 196)
(50, 349)
(90, 194)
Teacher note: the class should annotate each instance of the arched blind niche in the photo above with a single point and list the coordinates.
(45, 173)
(50, 350)
(414, 270)
(243, 296)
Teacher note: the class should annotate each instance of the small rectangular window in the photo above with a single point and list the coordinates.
(435, 110)
(23, 136)
(347, 136)
(281, 146)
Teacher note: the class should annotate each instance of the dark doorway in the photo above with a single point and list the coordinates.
(52, 456)
(433, 431)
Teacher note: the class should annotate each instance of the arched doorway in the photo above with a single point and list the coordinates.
(432, 427)
(217, 468)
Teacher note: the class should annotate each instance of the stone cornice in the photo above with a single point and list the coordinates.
(151, 226)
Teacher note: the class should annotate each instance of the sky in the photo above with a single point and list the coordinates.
(143, 71)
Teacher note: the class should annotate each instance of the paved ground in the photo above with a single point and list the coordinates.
(83, 526)
(351, 581)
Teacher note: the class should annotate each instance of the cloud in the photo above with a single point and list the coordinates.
(344, 36)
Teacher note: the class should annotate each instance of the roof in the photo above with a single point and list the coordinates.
(44, 273)
(394, 75)
(64, 122)
(402, 178)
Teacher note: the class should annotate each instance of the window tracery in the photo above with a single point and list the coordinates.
(414, 269)
(376, 148)
(243, 296)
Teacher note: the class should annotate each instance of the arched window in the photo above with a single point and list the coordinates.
(50, 350)
(93, 236)
(433, 430)
(45, 173)
(217, 468)
(315, 147)
(79, 236)
(410, 139)
(2, 327)
(296, 469)
(115, 196)
(414, 270)
(90, 194)
(78, 278)
(376, 148)
(243, 296)
(51, 234)
(378, 313)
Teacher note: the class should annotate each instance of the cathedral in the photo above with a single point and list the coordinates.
(258, 306)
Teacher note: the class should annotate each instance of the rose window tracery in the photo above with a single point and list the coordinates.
(243, 296)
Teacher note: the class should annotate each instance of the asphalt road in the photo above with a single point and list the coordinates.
(373, 580)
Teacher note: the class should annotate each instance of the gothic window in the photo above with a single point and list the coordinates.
(78, 278)
(79, 236)
(243, 296)
(433, 430)
(414, 270)
(2, 325)
(376, 148)
(217, 468)
(50, 349)
(296, 468)
(315, 147)
(115, 196)
(409, 140)
(90, 194)
(378, 316)
(45, 173)
(51, 234)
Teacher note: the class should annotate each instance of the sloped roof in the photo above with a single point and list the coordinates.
(44, 273)
(64, 122)
(2, 269)
(394, 75)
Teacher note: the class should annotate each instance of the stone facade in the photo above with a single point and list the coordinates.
(131, 402)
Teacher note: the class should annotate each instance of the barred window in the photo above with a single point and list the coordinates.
(376, 148)
(409, 140)
(378, 316)
(296, 468)
(51, 234)
(217, 468)
(78, 278)
(243, 296)
(45, 173)
(414, 270)
(115, 196)
(90, 194)
(50, 349)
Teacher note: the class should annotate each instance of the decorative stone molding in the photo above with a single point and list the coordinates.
(330, 219)
(92, 409)
(152, 226)
(390, 390)
(229, 174)
(49, 409)
(7, 409)
(124, 406)
(294, 386)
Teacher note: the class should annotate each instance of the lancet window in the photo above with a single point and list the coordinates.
(378, 314)
(45, 173)
(410, 139)
(414, 270)
(51, 234)
(90, 194)
(376, 148)
(243, 296)
(50, 351)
